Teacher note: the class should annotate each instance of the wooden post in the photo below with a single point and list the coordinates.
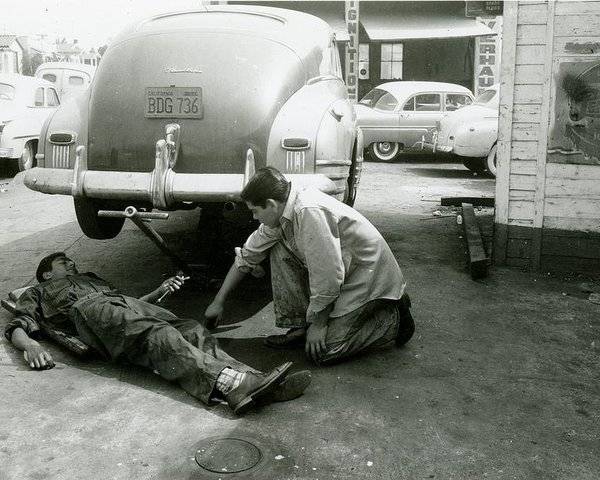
(542, 152)
(507, 76)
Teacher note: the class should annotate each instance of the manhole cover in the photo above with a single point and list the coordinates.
(227, 455)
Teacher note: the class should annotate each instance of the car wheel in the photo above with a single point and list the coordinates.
(385, 151)
(476, 165)
(27, 158)
(491, 160)
(93, 226)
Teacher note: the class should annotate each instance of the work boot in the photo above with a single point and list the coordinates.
(256, 387)
(406, 328)
(294, 338)
(292, 386)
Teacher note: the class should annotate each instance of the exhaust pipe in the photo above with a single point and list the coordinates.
(229, 207)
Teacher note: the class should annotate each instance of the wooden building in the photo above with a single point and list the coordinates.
(11, 54)
(548, 180)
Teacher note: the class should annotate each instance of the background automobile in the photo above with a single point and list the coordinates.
(394, 116)
(68, 78)
(185, 106)
(25, 104)
(471, 132)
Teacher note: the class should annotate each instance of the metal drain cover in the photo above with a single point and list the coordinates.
(227, 455)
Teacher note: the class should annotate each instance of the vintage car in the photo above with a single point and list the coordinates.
(25, 104)
(68, 78)
(185, 106)
(394, 116)
(471, 133)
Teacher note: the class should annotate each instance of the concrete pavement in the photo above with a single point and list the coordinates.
(499, 382)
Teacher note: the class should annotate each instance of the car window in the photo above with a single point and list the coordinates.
(7, 92)
(428, 102)
(52, 97)
(485, 96)
(410, 105)
(39, 97)
(74, 80)
(456, 100)
(50, 77)
(371, 98)
(386, 103)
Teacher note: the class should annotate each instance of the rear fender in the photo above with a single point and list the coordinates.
(71, 117)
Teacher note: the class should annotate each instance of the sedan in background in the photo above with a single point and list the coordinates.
(395, 116)
(25, 104)
(471, 133)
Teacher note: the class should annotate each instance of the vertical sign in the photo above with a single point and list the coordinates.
(487, 55)
(352, 50)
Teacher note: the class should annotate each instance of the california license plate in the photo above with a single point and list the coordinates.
(173, 102)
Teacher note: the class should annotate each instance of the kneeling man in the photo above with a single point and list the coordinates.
(123, 328)
(336, 283)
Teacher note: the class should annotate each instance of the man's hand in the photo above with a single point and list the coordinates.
(173, 284)
(38, 358)
(213, 314)
(316, 333)
(315, 345)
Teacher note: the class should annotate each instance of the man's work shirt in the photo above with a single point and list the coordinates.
(347, 259)
(51, 302)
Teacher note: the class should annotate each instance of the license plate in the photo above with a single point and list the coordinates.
(173, 102)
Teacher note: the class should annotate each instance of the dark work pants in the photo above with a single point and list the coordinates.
(125, 328)
(371, 326)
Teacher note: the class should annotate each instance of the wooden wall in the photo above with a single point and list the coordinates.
(548, 214)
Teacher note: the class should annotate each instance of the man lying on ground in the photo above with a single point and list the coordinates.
(336, 283)
(123, 328)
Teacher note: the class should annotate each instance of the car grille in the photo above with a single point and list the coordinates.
(60, 156)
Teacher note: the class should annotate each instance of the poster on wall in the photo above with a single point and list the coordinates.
(575, 125)
(487, 55)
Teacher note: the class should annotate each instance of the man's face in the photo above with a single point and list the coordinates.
(269, 215)
(61, 268)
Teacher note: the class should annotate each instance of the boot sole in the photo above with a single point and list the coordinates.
(270, 383)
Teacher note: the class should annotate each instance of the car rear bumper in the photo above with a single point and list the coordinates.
(162, 187)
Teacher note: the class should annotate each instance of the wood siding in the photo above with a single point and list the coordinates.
(548, 213)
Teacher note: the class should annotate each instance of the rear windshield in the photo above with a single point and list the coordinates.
(7, 92)
(485, 96)
(371, 98)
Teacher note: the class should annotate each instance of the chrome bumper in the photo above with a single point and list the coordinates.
(162, 187)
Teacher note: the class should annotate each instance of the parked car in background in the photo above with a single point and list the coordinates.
(471, 132)
(185, 106)
(68, 78)
(394, 116)
(25, 104)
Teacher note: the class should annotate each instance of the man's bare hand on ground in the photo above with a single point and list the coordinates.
(316, 334)
(213, 314)
(38, 358)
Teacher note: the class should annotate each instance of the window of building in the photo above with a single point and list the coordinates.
(87, 61)
(363, 61)
(456, 100)
(392, 55)
(50, 77)
(75, 80)
(52, 97)
(39, 97)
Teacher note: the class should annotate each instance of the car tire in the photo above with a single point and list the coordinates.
(98, 228)
(384, 151)
(491, 160)
(476, 165)
(27, 158)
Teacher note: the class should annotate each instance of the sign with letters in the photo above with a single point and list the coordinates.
(352, 50)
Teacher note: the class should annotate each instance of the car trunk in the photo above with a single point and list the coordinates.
(244, 80)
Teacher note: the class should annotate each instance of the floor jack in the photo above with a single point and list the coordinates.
(199, 272)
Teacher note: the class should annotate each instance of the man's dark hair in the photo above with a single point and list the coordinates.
(267, 182)
(46, 265)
